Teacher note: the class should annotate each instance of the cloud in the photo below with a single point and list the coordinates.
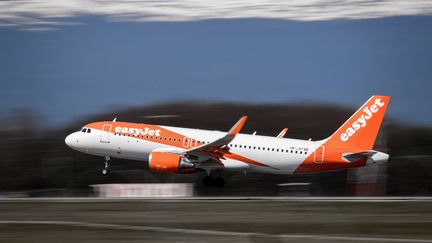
(39, 29)
(47, 12)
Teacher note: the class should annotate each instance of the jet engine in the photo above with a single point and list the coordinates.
(164, 162)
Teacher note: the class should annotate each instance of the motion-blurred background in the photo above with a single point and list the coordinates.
(305, 65)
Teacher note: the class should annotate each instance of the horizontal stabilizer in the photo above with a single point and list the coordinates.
(353, 157)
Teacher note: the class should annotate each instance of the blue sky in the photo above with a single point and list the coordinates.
(78, 69)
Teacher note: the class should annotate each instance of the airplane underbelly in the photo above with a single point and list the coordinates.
(266, 163)
(123, 148)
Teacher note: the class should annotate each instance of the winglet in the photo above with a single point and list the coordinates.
(238, 126)
(282, 133)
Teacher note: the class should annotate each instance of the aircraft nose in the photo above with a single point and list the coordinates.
(71, 140)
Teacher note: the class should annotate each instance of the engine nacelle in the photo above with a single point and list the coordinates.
(164, 162)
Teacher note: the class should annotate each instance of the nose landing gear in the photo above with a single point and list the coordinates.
(105, 170)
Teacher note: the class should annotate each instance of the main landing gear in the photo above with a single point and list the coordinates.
(210, 181)
(105, 170)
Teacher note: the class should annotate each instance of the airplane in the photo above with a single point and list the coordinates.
(184, 150)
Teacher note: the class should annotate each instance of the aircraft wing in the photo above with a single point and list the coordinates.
(215, 149)
(219, 146)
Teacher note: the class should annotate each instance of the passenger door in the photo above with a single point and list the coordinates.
(319, 155)
(105, 134)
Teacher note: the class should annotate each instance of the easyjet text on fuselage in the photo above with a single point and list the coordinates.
(138, 131)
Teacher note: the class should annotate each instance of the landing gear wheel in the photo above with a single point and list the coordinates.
(218, 182)
(105, 170)
(208, 181)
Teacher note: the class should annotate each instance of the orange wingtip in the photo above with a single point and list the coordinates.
(238, 126)
(282, 133)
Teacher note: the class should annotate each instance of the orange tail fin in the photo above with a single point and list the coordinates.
(361, 129)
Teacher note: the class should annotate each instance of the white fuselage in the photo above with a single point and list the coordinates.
(281, 155)
(178, 150)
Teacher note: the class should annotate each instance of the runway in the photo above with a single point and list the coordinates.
(211, 232)
(217, 199)
(243, 219)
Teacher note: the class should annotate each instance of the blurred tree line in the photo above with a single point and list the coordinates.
(36, 162)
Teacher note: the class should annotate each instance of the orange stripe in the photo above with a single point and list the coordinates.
(332, 161)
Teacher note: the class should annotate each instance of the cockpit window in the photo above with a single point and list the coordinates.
(84, 130)
(88, 130)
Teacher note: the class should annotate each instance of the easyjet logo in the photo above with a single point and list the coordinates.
(138, 131)
(362, 121)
